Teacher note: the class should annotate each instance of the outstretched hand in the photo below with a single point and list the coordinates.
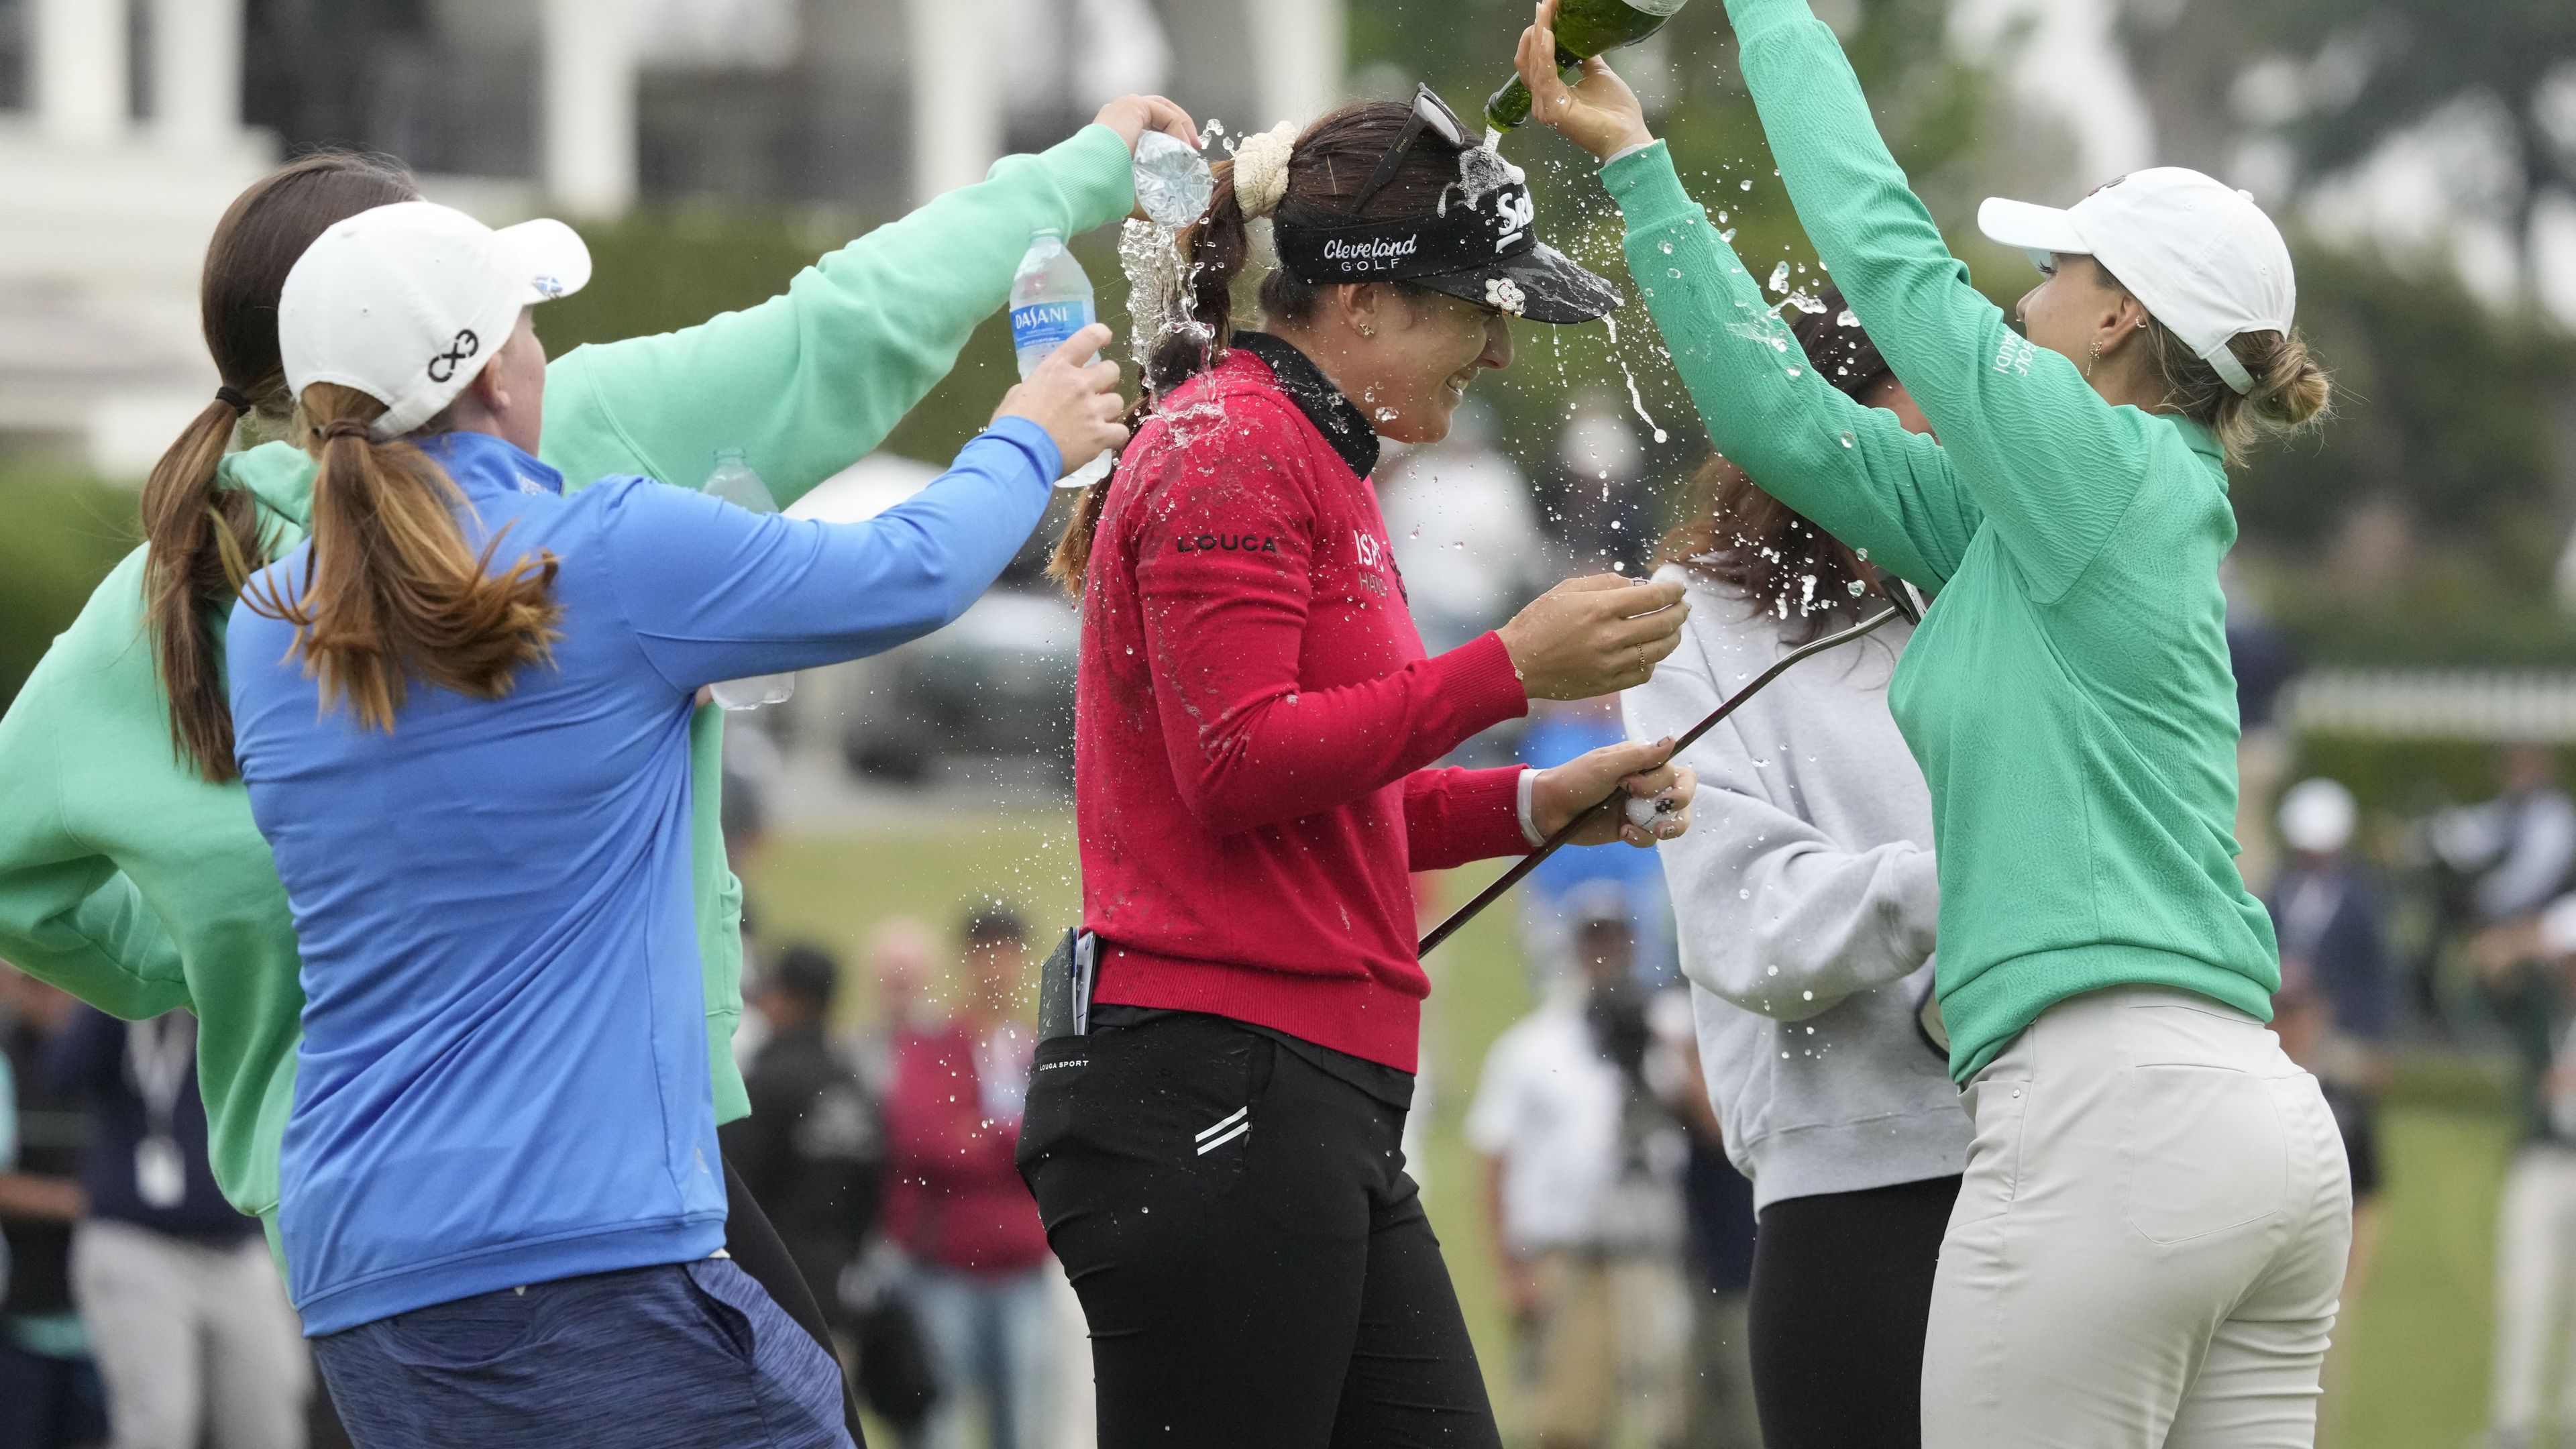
(1132, 116)
(1598, 112)
(1074, 396)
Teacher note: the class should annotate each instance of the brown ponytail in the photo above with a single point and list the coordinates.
(204, 540)
(393, 590)
(1330, 162)
(1746, 541)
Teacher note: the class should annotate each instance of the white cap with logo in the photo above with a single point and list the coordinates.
(406, 303)
(2199, 254)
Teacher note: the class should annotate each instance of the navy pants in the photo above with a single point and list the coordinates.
(683, 1356)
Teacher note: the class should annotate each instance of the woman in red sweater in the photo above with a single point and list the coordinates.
(1217, 1159)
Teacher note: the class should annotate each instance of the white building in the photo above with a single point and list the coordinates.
(128, 126)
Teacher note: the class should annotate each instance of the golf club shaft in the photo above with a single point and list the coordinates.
(1530, 862)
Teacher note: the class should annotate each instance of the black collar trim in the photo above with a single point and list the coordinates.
(1335, 416)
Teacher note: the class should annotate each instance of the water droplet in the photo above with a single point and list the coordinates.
(1847, 440)
(1773, 971)
(1745, 185)
(1846, 319)
(1779, 275)
(1793, 372)
(1666, 247)
(1807, 996)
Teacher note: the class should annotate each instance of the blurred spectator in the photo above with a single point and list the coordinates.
(1717, 1210)
(2303, 1017)
(186, 1316)
(1583, 1200)
(2520, 845)
(1593, 505)
(977, 1267)
(895, 1375)
(2265, 661)
(1465, 530)
(2332, 921)
(50, 1394)
(1560, 730)
(813, 1149)
(2530, 974)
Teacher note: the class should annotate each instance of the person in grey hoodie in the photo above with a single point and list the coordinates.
(1805, 904)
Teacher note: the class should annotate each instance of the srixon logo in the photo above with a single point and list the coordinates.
(1227, 542)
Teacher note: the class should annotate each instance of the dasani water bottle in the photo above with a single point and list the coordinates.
(736, 483)
(1051, 301)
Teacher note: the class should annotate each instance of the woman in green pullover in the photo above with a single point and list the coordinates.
(2150, 1237)
(130, 871)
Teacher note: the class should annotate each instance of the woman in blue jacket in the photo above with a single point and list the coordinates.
(462, 713)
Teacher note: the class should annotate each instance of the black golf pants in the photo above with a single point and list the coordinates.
(1842, 1289)
(1252, 1258)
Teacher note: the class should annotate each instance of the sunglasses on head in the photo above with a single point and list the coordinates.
(1430, 113)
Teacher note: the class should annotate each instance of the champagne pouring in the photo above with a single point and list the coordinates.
(1584, 29)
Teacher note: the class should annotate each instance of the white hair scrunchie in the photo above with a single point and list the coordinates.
(1261, 169)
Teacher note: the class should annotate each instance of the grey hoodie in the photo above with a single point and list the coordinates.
(1805, 900)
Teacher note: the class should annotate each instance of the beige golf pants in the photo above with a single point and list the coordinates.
(2149, 1241)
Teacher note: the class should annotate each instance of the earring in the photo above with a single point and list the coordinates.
(2097, 357)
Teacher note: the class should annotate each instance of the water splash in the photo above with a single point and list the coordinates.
(1779, 279)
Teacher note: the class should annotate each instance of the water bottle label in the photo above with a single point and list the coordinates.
(1046, 325)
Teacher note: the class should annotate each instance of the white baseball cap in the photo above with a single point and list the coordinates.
(2200, 254)
(2317, 816)
(406, 303)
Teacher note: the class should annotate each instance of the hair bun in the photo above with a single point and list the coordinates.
(1261, 169)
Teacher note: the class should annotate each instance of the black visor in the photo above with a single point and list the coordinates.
(1481, 245)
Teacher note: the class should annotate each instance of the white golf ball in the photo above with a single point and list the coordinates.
(1645, 811)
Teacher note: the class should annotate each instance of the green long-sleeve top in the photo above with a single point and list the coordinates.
(2069, 695)
(139, 887)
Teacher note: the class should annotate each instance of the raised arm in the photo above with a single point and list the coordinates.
(1774, 915)
(1249, 745)
(67, 916)
(2046, 459)
(810, 380)
(1854, 470)
(715, 592)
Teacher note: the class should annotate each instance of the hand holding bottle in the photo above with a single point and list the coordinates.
(1132, 116)
(1598, 112)
(1074, 398)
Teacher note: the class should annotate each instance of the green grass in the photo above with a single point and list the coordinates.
(2411, 1360)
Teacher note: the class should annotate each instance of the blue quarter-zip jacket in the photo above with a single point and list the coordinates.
(503, 1078)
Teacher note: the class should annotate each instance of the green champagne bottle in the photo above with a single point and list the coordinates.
(1584, 28)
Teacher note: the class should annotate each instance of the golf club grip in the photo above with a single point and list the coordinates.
(1530, 862)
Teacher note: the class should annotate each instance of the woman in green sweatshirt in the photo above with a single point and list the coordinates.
(130, 871)
(2150, 1236)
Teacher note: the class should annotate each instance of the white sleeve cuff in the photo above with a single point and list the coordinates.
(1529, 820)
(1624, 152)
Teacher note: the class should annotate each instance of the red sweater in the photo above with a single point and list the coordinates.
(1254, 714)
(953, 1196)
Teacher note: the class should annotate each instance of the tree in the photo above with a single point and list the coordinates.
(2334, 80)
